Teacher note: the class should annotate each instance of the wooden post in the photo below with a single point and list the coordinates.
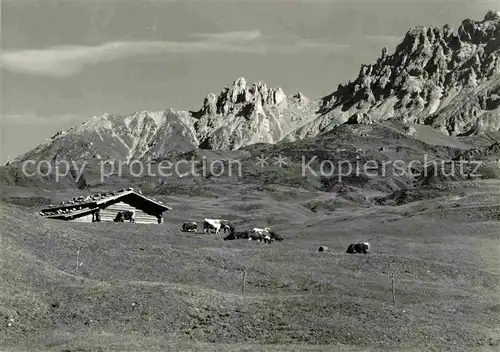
(393, 293)
(244, 278)
(253, 217)
(77, 260)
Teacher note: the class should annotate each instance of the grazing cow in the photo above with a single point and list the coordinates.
(230, 237)
(267, 234)
(275, 236)
(226, 226)
(119, 217)
(363, 247)
(237, 235)
(212, 224)
(125, 215)
(129, 215)
(250, 235)
(261, 231)
(261, 235)
(189, 227)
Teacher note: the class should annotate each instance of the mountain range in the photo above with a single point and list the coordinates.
(446, 79)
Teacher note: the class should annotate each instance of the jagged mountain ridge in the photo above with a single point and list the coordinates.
(243, 115)
(449, 81)
(114, 137)
(239, 115)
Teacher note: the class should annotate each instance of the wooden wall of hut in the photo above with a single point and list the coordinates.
(84, 218)
(109, 213)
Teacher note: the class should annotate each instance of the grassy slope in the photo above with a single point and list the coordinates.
(152, 287)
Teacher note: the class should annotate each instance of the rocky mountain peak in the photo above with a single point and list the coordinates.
(300, 97)
(479, 32)
(427, 69)
(492, 16)
(435, 76)
(245, 113)
(239, 94)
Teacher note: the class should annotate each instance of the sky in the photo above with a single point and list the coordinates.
(66, 61)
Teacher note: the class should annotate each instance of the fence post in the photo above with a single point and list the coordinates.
(77, 260)
(244, 279)
(393, 293)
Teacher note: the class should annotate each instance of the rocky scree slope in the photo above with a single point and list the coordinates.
(449, 81)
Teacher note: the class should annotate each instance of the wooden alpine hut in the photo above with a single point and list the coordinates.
(107, 206)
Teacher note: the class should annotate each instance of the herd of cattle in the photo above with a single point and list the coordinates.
(265, 235)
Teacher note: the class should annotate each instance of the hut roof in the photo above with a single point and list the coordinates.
(81, 205)
(72, 214)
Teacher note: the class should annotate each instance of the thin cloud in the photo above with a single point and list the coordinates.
(385, 38)
(231, 36)
(35, 119)
(63, 61)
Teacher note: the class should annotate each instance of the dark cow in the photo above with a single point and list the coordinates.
(96, 217)
(275, 236)
(363, 247)
(125, 215)
(250, 235)
(226, 226)
(237, 235)
(189, 227)
(119, 217)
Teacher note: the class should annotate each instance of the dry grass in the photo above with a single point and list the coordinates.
(152, 287)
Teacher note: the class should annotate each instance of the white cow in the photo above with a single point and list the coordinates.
(261, 234)
(212, 224)
(261, 231)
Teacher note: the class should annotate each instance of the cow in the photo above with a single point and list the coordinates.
(266, 235)
(226, 226)
(125, 215)
(129, 215)
(237, 235)
(275, 236)
(250, 235)
(189, 227)
(363, 247)
(266, 238)
(119, 217)
(261, 235)
(212, 224)
(96, 217)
